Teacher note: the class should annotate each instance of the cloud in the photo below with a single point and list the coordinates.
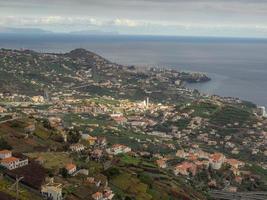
(124, 22)
(130, 26)
(48, 20)
(63, 20)
(139, 16)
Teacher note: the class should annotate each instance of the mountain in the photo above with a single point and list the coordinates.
(30, 72)
(23, 30)
(93, 32)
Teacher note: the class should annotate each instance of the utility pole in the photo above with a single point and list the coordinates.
(16, 186)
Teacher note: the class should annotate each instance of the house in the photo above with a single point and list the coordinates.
(185, 169)
(202, 154)
(118, 149)
(231, 189)
(77, 147)
(119, 119)
(38, 99)
(30, 128)
(40, 160)
(52, 191)
(10, 162)
(204, 164)
(108, 194)
(235, 163)
(55, 121)
(216, 160)
(91, 140)
(97, 196)
(102, 141)
(181, 154)
(235, 171)
(192, 157)
(5, 154)
(161, 163)
(2, 110)
(97, 154)
(71, 168)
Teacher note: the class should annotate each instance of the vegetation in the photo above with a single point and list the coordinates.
(230, 115)
(52, 160)
(4, 144)
(24, 194)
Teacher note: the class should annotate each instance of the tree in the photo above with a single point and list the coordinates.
(4, 144)
(73, 136)
(64, 172)
(46, 124)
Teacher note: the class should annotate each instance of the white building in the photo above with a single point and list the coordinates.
(5, 154)
(52, 191)
(10, 162)
(262, 111)
(38, 99)
(77, 147)
(71, 168)
(216, 160)
(14, 163)
(118, 149)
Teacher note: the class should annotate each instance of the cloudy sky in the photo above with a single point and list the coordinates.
(239, 18)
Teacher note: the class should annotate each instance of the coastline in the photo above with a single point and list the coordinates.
(239, 65)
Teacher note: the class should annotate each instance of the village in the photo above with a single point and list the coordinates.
(91, 129)
(104, 128)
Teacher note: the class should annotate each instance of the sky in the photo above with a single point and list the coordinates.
(228, 18)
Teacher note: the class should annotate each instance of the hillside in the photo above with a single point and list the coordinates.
(29, 72)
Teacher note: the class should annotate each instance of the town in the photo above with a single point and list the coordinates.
(86, 128)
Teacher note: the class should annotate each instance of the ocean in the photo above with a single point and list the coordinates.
(238, 67)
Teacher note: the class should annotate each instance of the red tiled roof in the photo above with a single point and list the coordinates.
(185, 166)
(216, 156)
(9, 160)
(5, 152)
(97, 195)
(70, 166)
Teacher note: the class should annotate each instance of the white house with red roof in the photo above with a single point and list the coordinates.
(235, 163)
(162, 163)
(10, 162)
(97, 196)
(118, 149)
(5, 154)
(185, 169)
(71, 168)
(216, 160)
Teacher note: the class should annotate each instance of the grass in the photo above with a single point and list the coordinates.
(203, 109)
(14, 134)
(84, 119)
(259, 171)
(42, 133)
(53, 160)
(23, 193)
(230, 115)
(125, 182)
(129, 160)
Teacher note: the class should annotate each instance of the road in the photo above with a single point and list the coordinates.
(222, 195)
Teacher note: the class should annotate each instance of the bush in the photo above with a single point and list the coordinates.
(73, 136)
(112, 172)
(64, 172)
(4, 144)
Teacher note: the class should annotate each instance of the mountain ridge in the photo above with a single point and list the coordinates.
(89, 72)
